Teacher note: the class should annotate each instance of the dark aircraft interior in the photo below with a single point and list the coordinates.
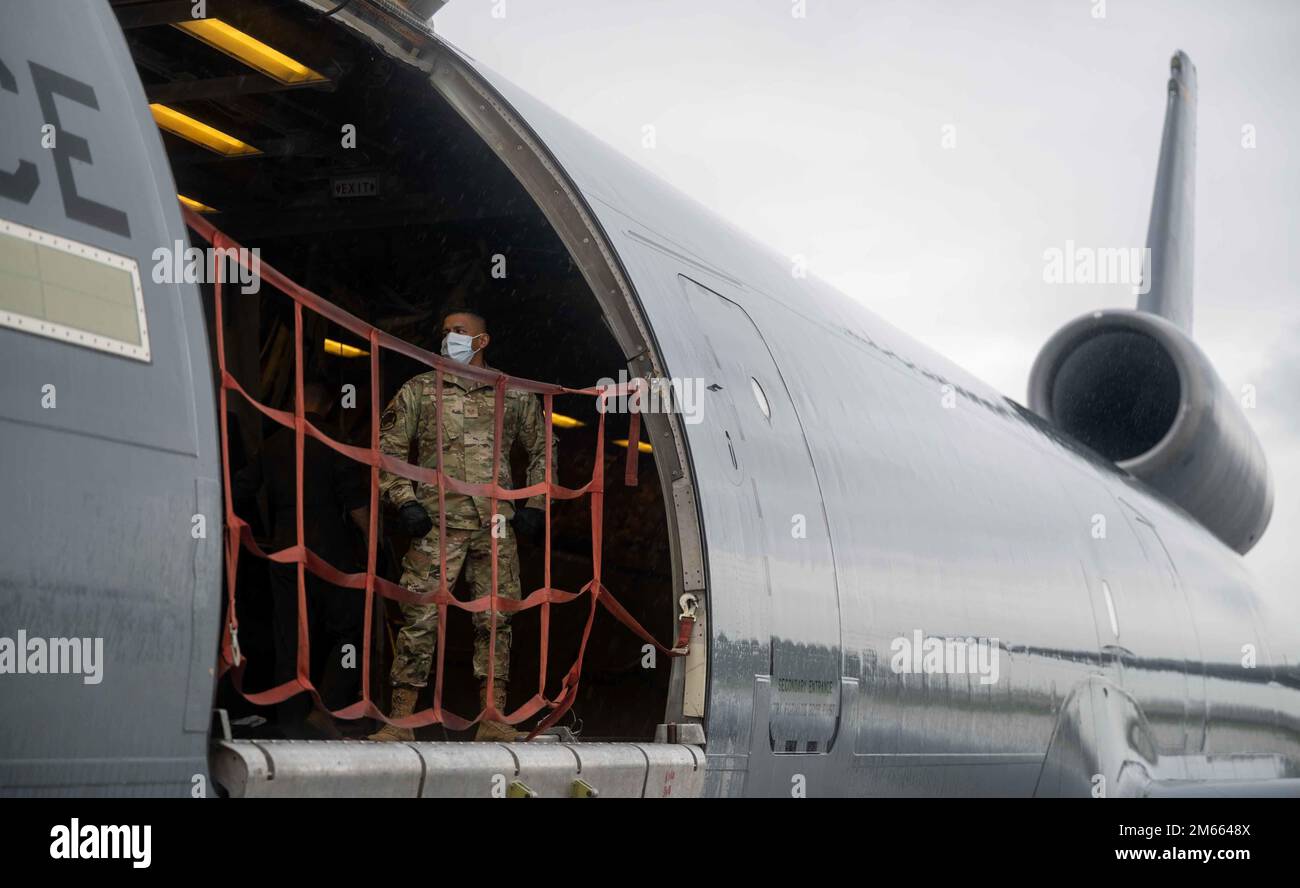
(436, 213)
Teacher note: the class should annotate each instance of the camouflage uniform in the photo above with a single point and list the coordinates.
(467, 430)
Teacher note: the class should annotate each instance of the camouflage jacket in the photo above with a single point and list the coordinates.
(467, 429)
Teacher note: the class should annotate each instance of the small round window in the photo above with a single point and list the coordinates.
(761, 398)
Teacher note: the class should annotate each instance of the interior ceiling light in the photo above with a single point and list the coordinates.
(560, 421)
(251, 51)
(334, 347)
(199, 133)
(195, 205)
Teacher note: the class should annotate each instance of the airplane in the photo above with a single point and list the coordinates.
(903, 582)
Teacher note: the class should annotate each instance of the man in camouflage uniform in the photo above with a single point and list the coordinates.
(468, 425)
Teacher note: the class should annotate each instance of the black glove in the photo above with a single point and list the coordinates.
(529, 523)
(414, 520)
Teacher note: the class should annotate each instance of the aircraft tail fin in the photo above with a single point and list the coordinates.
(1133, 386)
(1168, 284)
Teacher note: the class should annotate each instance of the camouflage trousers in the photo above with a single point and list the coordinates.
(470, 550)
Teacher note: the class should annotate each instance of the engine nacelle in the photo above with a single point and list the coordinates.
(1136, 389)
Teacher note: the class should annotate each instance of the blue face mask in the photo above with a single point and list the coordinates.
(459, 347)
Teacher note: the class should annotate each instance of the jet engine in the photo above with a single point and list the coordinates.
(1136, 389)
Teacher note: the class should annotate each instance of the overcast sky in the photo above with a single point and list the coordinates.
(822, 135)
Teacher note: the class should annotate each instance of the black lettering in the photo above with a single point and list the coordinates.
(21, 184)
(70, 147)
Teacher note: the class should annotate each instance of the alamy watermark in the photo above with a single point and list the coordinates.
(654, 395)
(1098, 265)
(78, 841)
(178, 264)
(25, 655)
(946, 655)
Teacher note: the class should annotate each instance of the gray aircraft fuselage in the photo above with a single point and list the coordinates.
(861, 502)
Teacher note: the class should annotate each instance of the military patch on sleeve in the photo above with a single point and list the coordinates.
(388, 420)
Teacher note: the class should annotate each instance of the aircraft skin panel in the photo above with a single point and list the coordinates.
(955, 513)
(733, 531)
(760, 440)
(936, 510)
(104, 471)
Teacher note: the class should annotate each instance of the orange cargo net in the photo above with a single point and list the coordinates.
(237, 533)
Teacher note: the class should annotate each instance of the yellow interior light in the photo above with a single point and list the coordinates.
(560, 421)
(199, 133)
(251, 51)
(195, 205)
(334, 347)
(640, 445)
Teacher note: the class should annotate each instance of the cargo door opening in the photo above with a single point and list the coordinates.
(361, 183)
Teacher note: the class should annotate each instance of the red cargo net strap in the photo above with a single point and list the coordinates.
(238, 535)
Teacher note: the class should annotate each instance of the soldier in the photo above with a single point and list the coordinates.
(468, 426)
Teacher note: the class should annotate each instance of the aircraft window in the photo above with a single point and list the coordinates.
(761, 398)
(64, 290)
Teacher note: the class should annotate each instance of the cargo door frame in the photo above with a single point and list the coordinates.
(411, 42)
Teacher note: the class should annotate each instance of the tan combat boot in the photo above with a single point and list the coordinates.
(494, 731)
(403, 705)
